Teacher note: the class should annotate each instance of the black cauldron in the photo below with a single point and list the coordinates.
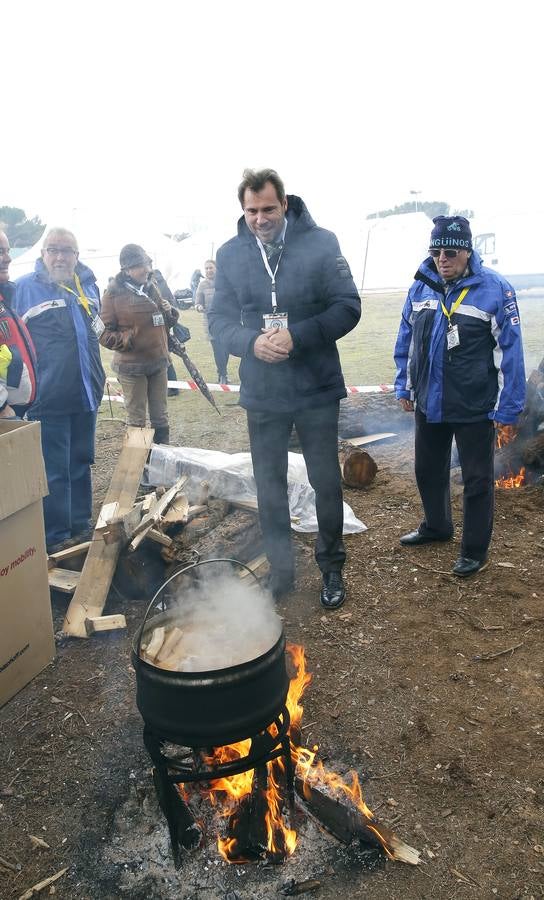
(208, 709)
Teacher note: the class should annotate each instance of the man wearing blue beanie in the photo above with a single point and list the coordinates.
(459, 360)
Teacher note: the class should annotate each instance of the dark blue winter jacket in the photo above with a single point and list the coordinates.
(70, 373)
(483, 377)
(313, 286)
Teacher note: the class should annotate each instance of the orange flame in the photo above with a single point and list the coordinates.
(505, 435)
(227, 794)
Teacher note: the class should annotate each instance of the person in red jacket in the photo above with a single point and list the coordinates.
(17, 355)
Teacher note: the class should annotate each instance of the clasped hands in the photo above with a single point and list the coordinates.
(273, 345)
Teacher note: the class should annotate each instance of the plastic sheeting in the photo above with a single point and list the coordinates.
(230, 477)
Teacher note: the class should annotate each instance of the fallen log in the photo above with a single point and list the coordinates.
(357, 467)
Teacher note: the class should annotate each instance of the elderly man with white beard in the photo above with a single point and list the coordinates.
(60, 304)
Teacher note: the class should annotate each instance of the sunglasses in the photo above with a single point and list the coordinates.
(449, 254)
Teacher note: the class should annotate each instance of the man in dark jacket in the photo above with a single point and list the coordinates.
(459, 358)
(17, 355)
(283, 296)
(60, 302)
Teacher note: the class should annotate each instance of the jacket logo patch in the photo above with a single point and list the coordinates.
(510, 309)
(429, 303)
(342, 267)
(515, 320)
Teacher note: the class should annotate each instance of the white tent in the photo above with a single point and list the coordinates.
(101, 240)
(393, 248)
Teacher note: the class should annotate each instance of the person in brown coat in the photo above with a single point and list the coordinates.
(136, 322)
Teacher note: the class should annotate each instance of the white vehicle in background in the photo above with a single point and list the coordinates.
(512, 245)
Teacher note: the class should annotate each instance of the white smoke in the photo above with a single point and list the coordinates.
(225, 621)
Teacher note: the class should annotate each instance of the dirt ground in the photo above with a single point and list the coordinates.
(430, 687)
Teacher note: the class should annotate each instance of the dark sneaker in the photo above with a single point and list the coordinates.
(333, 592)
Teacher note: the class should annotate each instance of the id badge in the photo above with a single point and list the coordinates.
(275, 320)
(452, 337)
(98, 326)
(158, 319)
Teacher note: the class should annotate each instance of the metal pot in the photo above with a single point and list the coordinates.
(208, 709)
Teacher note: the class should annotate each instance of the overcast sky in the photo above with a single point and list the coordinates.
(158, 106)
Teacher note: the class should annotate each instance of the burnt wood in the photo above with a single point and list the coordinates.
(345, 823)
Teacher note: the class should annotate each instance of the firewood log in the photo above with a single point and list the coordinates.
(172, 639)
(155, 644)
(357, 466)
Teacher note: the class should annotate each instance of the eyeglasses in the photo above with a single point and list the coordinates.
(60, 251)
(449, 254)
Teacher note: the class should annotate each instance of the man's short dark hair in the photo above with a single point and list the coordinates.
(255, 180)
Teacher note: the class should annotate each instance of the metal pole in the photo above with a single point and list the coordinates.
(366, 257)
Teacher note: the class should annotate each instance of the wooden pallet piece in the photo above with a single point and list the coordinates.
(105, 623)
(95, 579)
(63, 580)
(61, 556)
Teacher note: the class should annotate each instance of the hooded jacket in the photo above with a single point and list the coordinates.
(136, 319)
(70, 373)
(483, 377)
(17, 355)
(314, 287)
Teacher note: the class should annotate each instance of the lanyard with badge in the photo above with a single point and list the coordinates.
(97, 324)
(452, 334)
(275, 319)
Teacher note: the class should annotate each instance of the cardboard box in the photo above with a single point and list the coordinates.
(26, 627)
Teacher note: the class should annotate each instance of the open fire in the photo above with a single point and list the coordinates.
(254, 802)
(505, 435)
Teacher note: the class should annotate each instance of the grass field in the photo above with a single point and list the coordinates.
(366, 353)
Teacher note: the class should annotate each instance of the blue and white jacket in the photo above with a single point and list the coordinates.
(70, 373)
(483, 377)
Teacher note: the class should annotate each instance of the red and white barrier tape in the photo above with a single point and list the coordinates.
(235, 388)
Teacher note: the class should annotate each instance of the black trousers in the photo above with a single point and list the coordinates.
(476, 445)
(317, 431)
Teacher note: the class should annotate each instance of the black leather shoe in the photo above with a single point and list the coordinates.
(417, 538)
(333, 592)
(465, 566)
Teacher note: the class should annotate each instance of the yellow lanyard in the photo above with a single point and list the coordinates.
(449, 312)
(81, 298)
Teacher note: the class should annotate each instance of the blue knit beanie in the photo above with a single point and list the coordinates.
(451, 232)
